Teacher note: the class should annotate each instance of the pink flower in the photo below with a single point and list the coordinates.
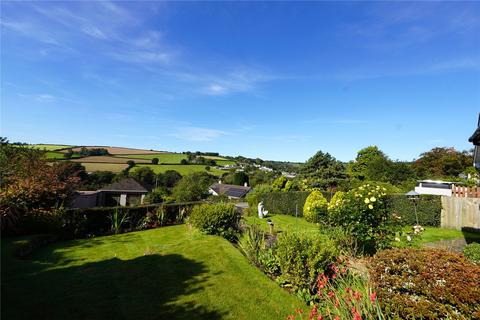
(313, 313)
(373, 297)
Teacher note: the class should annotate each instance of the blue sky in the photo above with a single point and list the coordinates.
(276, 80)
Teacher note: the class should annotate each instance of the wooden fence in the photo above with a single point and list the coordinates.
(460, 212)
(465, 192)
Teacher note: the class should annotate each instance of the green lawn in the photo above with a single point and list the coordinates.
(224, 162)
(166, 273)
(162, 157)
(54, 155)
(433, 234)
(182, 169)
(284, 223)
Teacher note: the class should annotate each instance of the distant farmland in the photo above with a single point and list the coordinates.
(162, 157)
(114, 167)
(109, 159)
(118, 150)
(182, 169)
(50, 147)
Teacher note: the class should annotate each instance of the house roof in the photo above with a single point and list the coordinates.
(475, 138)
(126, 185)
(230, 190)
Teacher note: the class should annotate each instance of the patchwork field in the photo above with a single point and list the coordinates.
(109, 159)
(119, 150)
(162, 157)
(50, 147)
(165, 273)
(182, 169)
(98, 166)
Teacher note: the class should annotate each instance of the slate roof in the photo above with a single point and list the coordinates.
(475, 138)
(230, 190)
(126, 185)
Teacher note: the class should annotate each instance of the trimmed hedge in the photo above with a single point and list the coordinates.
(282, 202)
(429, 209)
(85, 222)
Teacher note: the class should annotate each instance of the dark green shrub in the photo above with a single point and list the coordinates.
(426, 284)
(219, 218)
(429, 208)
(472, 252)
(257, 194)
(301, 258)
(290, 203)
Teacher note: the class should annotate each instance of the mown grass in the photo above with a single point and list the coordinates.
(284, 223)
(433, 234)
(166, 273)
(182, 169)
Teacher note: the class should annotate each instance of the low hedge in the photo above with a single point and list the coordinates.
(84, 222)
(429, 209)
(218, 219)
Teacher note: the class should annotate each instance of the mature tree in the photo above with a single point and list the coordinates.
(193, 187)
(323, 171)
(371, 164)
(184, 161)
(144, 175)
(155, 161)
(279, 183)
(168, 179)
(240, 178)
(97, 180)
(130, 164)
(442, 162)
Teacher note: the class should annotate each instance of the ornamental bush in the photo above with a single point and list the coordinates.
(472, 252)
(363, 214)
(220, 219)
(315, 208)
(426, 284)
(301, 258)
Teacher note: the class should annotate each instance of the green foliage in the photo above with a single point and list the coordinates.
(252, 242)
(290, 203)
(429, 209)
(472, 252)
(130, 164)
(279, 183)
(192, 187)
(155, 160)
(218, 219)
(442, 162)
(323, 171)
(315, 208)
(257, 195)
(240, 178)
(301, 257)
(168, 179)
(144, 175)
(118, 219)
(157, 195)
(426, 284)
(363, 213)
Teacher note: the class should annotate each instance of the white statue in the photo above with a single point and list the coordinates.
(261, 213)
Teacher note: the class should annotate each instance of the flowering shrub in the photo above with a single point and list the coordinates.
(341, 294)
(472, 252)
(336, 202)
(363, 213)
(315, 207)
(426, 284)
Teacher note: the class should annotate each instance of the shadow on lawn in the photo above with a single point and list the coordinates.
(143, 288)
(471, 234)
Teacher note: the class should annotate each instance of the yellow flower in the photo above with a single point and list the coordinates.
(372, 199)
(367, 200)
(370, 206)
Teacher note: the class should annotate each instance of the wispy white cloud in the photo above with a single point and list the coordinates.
(198, 134)
(44, 97)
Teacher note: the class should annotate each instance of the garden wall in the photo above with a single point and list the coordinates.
(459, 213)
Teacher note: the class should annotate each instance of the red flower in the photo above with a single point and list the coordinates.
(290, 317)
(320, 317)
(357, 295)
(373, 297)
(322, 281)
(337, 302)
(313, 313)
(298, 310)
(331, 294)
(337, 318)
